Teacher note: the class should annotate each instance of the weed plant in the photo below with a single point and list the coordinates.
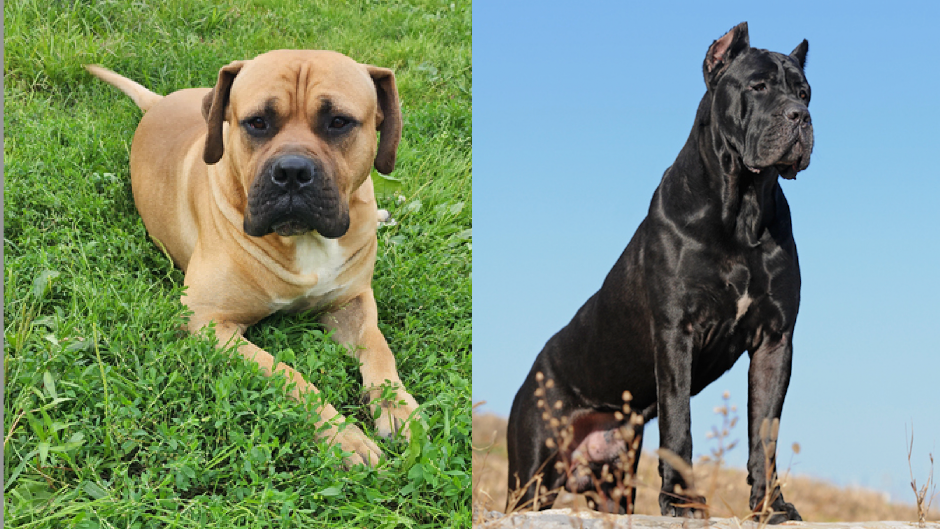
(921, 498)
(607, 483)
(113, 417)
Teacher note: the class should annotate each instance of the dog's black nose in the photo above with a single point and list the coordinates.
(797, 114)
(293, 172)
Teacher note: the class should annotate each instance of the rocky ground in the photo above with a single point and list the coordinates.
(571, 518)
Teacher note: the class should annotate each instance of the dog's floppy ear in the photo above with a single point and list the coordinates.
(213, 109)
(388, 118)
(799, 53)
(724, 50)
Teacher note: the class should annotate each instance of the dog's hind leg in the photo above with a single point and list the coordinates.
(533, 476)
(533, 448)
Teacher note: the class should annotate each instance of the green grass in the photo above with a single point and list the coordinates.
(113, 417)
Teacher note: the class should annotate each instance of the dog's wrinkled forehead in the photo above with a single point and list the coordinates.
(299, 81)
(758, 64)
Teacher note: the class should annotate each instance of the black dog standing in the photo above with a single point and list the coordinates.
(711, 272)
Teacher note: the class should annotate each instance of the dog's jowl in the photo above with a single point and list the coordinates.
(711, 272)
(259, 189)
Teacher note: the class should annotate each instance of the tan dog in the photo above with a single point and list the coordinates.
(259, 189)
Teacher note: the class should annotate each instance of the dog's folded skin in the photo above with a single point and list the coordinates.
(259, 190)
(711, 272)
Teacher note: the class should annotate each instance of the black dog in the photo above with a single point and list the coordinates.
(711, 272)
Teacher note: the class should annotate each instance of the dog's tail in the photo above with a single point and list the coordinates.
(142, 97)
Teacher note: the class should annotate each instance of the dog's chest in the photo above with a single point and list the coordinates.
(741, 302)
(737, 287)
(317, 274)
(317, 255)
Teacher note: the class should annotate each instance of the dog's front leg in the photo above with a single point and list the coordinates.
(674, 388)
(355, 325)
(768, 378)
(330, 425)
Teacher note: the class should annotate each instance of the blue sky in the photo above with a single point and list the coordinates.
(578, 110)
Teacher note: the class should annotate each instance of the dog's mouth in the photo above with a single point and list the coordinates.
(290, 228)
(785, 170)
(791, 162)
(294, 195)
(795, 160)
(289, 222)
(788, 171)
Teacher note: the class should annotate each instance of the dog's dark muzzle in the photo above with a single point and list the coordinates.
(293, 195)
(796, 158)
(786, 144)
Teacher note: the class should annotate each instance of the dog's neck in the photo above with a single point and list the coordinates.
(757, 205)
(748, 200)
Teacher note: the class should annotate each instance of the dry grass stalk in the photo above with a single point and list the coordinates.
(729, 419)
(923, 504)
(617, 477)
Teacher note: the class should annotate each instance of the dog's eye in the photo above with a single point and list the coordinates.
(803, 95)
(339, 122)
(257, 123)
(759, 87)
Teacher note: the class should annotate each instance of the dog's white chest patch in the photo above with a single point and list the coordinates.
(744, 302)
(317, 255)
(318, 263)
(321, 256)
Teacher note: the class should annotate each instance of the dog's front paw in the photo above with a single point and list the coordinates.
(363, 451)
(783, 512)
(393, 408)
(682, 507)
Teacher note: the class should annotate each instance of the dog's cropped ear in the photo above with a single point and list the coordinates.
(388, 118)
(799, 53)
(213, 109)
(724, 50)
